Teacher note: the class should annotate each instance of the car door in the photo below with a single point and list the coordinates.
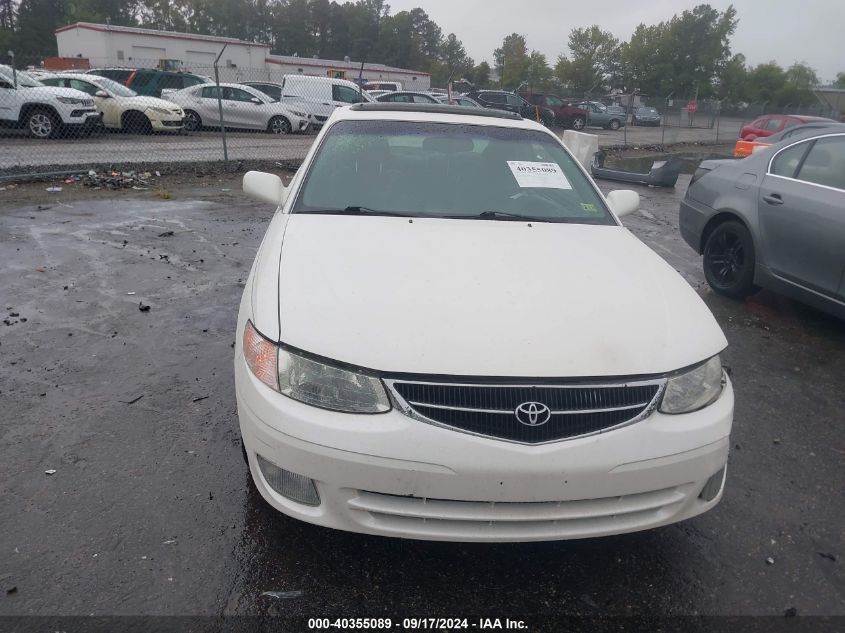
(344, 95)
(802, 214)
(108, 106)
(248, 110)
(207, 105)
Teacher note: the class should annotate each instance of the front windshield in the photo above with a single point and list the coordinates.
(648, 111)
(448, 170)
(24, 79)
(118, 90)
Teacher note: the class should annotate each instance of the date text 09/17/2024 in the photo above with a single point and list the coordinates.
(408, 624)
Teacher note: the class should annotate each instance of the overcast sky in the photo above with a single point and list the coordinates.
(786, 31)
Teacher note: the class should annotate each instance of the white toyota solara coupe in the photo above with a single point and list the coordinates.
(447, 334)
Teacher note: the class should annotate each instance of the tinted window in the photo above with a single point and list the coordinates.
(272, 91)
(554, 102)
(171, 81)
(424, 99)
(825, 164)
(190, 80)
(117, 75)
(514, 100)
(493, 97)
(84, 86)
(787, 161)
(345, 94)
(209, 92)
(141, 78)
(439, 169)
(774, 124)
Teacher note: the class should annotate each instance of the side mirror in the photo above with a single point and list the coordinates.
(102, 94)
(623, 202)
(266, 187)
(256, 101)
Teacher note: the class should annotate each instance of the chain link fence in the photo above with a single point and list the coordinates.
(112, 115)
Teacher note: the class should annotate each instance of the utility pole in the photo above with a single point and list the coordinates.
(220, 106)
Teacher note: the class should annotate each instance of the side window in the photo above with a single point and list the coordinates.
(141, 79)
(759, 123)
(513, 100)
(190, 80)
(274, 92)
(493, 97)
(171, 81)
(84, 86)
(774, 123)
(787, 161)
(422, 99)
(119, 76)
(209, 92)
(825, 164)
(241, 95)
(7, 84)
(345, 94)
(791, 123)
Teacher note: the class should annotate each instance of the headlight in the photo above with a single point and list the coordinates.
(159, 110)
(71, 100)
(694, 389)
(310, 381)
(301, 115)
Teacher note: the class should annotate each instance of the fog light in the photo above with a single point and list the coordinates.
(290, 485)
(713, 486)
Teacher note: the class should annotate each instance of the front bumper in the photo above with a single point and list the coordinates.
(83, 119)
(391, 475)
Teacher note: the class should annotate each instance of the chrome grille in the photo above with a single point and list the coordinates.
(574, 410)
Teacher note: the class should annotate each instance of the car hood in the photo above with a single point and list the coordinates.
(149, 102)
(55, 91)
(487, 298)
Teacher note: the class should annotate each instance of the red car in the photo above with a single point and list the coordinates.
(773, 123)
(566, 113)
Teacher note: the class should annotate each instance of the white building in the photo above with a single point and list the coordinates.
(107, 45)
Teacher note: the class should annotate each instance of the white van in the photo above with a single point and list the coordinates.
(326, 93)
(388, 86)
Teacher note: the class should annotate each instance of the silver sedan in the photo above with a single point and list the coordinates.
(775, 219)
(243, 107)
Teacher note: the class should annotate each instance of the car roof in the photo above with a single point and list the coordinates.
(436, 113)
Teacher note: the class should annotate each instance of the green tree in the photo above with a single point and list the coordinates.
(37, 22)
(840, 81)
(539, 75)
(766, 82)
(802, 76)
(512, 61)
(595, 56)
(733, 80)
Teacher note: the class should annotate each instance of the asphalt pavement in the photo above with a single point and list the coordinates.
(124, 491)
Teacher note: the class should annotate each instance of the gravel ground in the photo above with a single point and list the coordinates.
(150, 510)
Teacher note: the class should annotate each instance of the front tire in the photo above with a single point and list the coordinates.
(135, 123)
(615, 125)
(579, 123)
(42, 123)
(192, 121)
(729, 260)
(279, 125)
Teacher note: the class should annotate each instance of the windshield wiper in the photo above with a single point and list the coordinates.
(354, 211)
(500, 215)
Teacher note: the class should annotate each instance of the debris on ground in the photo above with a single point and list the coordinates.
(133, 401)
(166, 234)
(116, 180)
(770, 561)
(201, 398)
(50, 471)
(53, 189)
(11, 590)
(791, 612)
(164, 194)
(827, 555)
(142, 307)
(282, 594)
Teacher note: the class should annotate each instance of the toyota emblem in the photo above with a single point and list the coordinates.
(532, 413)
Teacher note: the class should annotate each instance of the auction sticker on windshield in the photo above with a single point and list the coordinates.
(546, 175)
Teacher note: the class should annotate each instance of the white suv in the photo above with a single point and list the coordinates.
(44, 111)
(447, 334)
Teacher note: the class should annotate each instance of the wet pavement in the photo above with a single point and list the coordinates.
(150, 511)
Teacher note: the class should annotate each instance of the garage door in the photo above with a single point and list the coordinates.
(198, 58)
(148, 53)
